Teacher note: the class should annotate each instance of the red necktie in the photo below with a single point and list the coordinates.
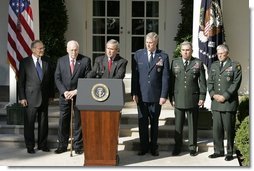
(72, 66)
(109, 64)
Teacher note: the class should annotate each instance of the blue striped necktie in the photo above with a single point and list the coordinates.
(39, 70)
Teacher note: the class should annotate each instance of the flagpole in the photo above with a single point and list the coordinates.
(12, 87)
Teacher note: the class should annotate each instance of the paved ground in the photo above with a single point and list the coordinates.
(19, 157)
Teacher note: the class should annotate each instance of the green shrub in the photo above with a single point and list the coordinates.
(242, 141)
(243, 108)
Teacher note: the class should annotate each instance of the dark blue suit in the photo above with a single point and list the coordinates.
(150, 83)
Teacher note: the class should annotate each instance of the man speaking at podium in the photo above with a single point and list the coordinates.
(110, 65)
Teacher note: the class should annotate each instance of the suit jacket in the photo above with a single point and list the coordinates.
(225, 82)
(64, 80)
(150, 82)
(30, 87)
(187, 86)
(100, 68)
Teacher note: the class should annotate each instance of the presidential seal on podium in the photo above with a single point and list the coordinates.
(100, 92)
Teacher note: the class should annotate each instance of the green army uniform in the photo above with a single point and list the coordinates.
(188, 86)
(224, 82)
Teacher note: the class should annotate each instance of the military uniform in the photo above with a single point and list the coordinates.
(149, 82)
(188, 87)
(225, 82)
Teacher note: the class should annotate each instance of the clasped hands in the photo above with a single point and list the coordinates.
(70, 94)
(219, 98)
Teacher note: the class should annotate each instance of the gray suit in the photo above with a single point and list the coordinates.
(65, 81)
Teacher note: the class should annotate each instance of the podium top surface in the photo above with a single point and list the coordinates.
(100, 94)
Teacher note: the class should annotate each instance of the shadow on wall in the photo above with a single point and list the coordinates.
(4, 93)
(4, 72)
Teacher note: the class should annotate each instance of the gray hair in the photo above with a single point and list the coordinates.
(223, 47)
(72, 42)
(153, 35)
(35, 42)
(114, 42)
(186, 43)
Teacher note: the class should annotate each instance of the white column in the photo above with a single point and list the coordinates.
(251, 6)
(12, 80)
(195, 27)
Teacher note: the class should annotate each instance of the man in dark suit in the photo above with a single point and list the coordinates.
(35, 86)
(224, 80)
(150, 81)
(69, 69)
(187, 94)
(111, 65)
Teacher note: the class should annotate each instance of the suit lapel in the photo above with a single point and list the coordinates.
(67, 65)
(105, 64)
(144, 58)
(155, 60)
(228, 63)
(77, 65)
(191, 64)
(32, 66)
(113, 67)
(44, 66)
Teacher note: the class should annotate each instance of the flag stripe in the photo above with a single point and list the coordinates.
(20, 32)
(14, 51)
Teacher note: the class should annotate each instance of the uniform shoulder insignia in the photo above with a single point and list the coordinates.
(140, 50)
(238, 66)
(175, 59)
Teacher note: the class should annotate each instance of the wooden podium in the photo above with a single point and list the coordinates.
(100, 102)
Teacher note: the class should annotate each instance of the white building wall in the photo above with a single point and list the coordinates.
(76, 11)
(251, 5)
(236, 18)
(4, 65)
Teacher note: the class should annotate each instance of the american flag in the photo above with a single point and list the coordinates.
(211, 31)
(20, 32)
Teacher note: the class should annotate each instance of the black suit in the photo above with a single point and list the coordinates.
(65, 81)
(100, 69)
(37, 94)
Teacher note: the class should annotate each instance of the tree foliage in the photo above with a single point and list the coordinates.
(185, 27)
(53, 25)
